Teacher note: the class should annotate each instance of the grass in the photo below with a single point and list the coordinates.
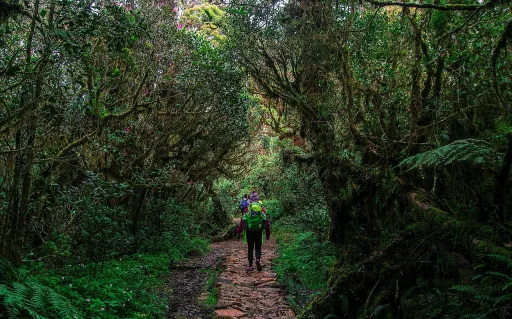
(304, 262)
(210, 302)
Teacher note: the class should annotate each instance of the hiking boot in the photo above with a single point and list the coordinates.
(258, 265)
(249, 269)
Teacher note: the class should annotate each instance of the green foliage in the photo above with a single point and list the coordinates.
(260, 176)
(207, 19)
(227, 193)
(122, 288)
(299, 190)
(470, 150)
(304, 263)
(35, 300)
(172, 229)
(104, 229)
(490, 295)
(210, 287)
(274, 208)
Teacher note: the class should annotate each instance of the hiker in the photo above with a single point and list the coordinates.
(252, 223)
(254, 197)
(244, 203)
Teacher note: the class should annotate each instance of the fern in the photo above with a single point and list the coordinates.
(502, 299)
(38, 300)
(468, 150)
(491, 290)
(501, 258)
(468, 290)
(378, 309)
(498, 274)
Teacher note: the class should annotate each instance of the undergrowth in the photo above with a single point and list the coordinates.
(125, 287)
(211, 301)
(122, 288)
(304, 263)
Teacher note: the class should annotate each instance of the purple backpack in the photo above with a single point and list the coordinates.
(244, 203)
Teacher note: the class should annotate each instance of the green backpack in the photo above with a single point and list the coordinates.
(254, 218)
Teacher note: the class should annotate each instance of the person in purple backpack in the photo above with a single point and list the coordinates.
(244, 203)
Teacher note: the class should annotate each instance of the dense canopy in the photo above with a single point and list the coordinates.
(377, 133)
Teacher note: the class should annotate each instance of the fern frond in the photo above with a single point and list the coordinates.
(470, 290)
(507, 285)
(38, 300)
(16, 295)
(3, 290)
(501, 258)
(468, 150)
(498, 274)
(507, 299)
(38, 295)
(13, 313)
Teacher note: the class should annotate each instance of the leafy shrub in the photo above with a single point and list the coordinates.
(104, 232)
(227, 192)
(298, 187)
(304, 263)
(170, 228)
(122, 288)
(261, 176)
(98, 226)
(274, 208)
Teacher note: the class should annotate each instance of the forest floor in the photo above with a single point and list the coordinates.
(240, 294)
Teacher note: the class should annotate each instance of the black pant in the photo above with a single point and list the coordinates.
(253, 239)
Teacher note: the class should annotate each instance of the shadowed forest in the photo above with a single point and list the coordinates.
(378, 135)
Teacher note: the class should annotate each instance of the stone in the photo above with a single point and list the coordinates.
(224, 304)
(228, 313)
(271, 284)
(268, 302)
(203, 296)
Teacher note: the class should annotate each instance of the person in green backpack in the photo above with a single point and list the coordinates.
(252, 224)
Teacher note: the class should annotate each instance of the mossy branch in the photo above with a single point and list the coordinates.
(502, 43)
(446, 7)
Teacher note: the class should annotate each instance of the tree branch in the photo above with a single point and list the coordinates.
(446, 7)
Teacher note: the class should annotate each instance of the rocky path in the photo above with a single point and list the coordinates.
(253, 294)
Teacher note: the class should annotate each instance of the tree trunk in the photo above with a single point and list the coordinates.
(18, 207)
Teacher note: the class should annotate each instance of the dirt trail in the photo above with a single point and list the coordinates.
(249, 295)
(188, 283)
(253, 295)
